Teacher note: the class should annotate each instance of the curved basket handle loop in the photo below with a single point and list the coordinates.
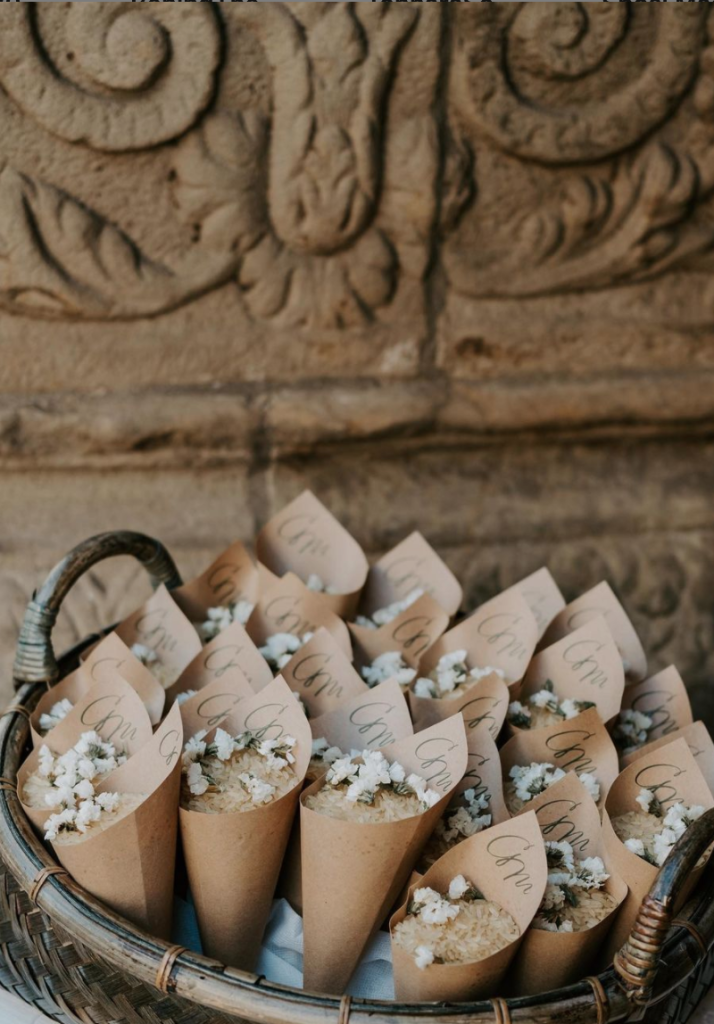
(637, 962)
(35, 660)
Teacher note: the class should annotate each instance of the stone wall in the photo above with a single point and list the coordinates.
(450, 266)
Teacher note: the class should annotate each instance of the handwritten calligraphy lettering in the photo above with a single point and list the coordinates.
(103, 716)
(371, 716)
(568, 750)
(480, 709)
(299, 533)
(561, 828)
(223, 581)
(506, 851)
(413, 634)
(214, 709)
(313, 674)
(285, 612)
(263, 721)
(580, 657)
(431, 754)
(653, 703)
(152, 630)
(659, 778)
(169, 746)
(499, 632)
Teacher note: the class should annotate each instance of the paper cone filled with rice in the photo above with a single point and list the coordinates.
(412, 626)
(363, 825)
(461, 925)
(471, 667)
(111, 818)
(408, 570)
(582, 897)
(542, 595)
(111, 655)
(583, 670)
(230, 657)
(534, 760)
(239, 793)
(653, 710)
(225, 593)
(322, 675)
(649, 807)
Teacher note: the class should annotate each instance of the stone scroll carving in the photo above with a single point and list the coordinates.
(573, 144)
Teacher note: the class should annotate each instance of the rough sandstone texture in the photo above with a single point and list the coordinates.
(448, 265)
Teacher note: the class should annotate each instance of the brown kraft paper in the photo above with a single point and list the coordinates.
(112, 654)
(411, 565)
(584, 666)
(289, 607)
(486, 702)
(665, 699)
(233, 859)
(213, 703)
(353, 872)
(483, 772)
(601, 600)
(232, 577)
(304, 538)
(543, 597)
(230, 656)
(71, 688)
(507, 865)
(501, 633)
(322, 675)
(161, 625)
(699, 741)
(547, 960)
(673, 773)
(412, 633)
(580, 744)
(130, 865)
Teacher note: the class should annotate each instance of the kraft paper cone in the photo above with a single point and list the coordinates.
(699, 741)
(130, 865)
(483, 772)
(71, 688)
(507, 864)
(585, 665)
(353, 872)
(602, 601)
(233, 859)
(665, 699)
(232, 577)
(542, 596)
(484, 702)
(411, 565)
(371, 720)
(289, 607)
(501, 633)
(322, 675)
(673, 771)
(212, 704)
(161, 625)
(113, 709)
(304, 538)
(412, 633)
(548, 960)
(112, 655)
(230, 656)
(580, 744)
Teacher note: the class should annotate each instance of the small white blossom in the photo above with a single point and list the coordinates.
(388, 665)
(260, 792)
(145, 654)
(530, 780)
(591, 784)
(384, 615)
(423, 957)
(223, 743)
(280, 647)
(457, 887)
(55, 715)
(223, 616)
(635, 846)
(632, 729)
(186, 695)
(365, 778)
(644, 798)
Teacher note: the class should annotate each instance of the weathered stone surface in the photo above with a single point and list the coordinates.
(448, 265)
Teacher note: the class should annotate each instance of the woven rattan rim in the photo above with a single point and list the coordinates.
(501, 1011)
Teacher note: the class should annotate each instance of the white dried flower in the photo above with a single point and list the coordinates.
(644, 798)
(382, 616)
(374, 772)
(261, 792)
(388, 665)
(280, 647)
(635, 846)
(591, 784)
(221, 617)
(425, 687)
(530, 780)
(186, 695)
(423, 957)
(55, 715)
(632, 729)
(457, 887)
(146, 655)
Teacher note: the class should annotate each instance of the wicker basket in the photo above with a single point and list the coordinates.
(73, 959)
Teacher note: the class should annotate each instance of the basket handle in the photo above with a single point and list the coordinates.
(35, 658)
(637, 962)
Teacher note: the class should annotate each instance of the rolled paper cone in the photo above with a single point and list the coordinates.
(289, 607)
(161, 625)
(232, 577)
(547, 960)
(113, 709)
(322, 675)
(353, 872)
(411, 565)
(700, 746)
(112, 655)
(213, 704)
(370, 720)
(483, 772)
(672, 773)
(507, 864)
(71, 688)
(305, 539)
(484, 703)
(664, 698)
(233, 859)
(130, 865)
(580, 744)
(501, 633)
(585, 665)
(602, 601)
(231, 657)
(412, 633)
(543, 597)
